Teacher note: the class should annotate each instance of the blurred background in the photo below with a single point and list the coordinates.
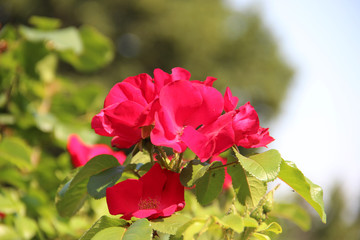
(296, 62)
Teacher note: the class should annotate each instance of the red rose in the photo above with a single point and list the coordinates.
(81, 153)
(158, 193)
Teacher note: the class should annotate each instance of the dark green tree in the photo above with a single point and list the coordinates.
(207, 38)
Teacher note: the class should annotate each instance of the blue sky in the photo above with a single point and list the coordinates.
(318, 127)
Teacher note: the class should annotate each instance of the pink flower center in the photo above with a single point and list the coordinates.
(148, 203)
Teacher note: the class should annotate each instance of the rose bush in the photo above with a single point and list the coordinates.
(180, 134)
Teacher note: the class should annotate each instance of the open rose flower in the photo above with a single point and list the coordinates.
(158, 193)
(81, 153)
(184, 104)
(130, 106)
(240, 127)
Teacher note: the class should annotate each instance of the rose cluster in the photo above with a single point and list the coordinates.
(176, 112)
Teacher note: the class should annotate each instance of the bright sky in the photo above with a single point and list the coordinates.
(319, 125)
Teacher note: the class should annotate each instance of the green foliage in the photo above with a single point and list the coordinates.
(311, 192)
(38, 110)
(294, 213)
(192, 172)
(97, 51)
(140, 230)
(59, 39)
(234, 45)
(233, 221)
(98, 183)
(264, 166)
(171, 224)
(74, 193)
(249, 190)
(115, 233)
(17, 152)
(103, 223)
(209, 186)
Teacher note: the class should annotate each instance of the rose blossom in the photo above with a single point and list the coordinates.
(158, 193)
(130, 106)
(81, 153)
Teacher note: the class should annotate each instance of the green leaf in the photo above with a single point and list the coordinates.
(250, 222)
(26, 227)
(140, 230)
(264, 166)
(46, 68)
(102, 223)
(189, 229)
(162, 236)
(61, 39)
(15, 151)
(294, 213)
(10, 202)
(260, 236)
(249, 190)
(45, 23)
(94, 166)
(98, 51)
(272, 227)
(13, 176)
(141, 157)
(210, 185)
(9, 233)
(311, 192)
(98, 183)
(169, 225)
(71, 199)
(233, 221)
(73, 195)
(192, 172)
(45, 121)
(113, 233)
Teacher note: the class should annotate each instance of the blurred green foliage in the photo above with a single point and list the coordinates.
(38, 110)
(208, 39)
(343, 221)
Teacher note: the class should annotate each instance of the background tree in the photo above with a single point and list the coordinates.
(205, 38)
